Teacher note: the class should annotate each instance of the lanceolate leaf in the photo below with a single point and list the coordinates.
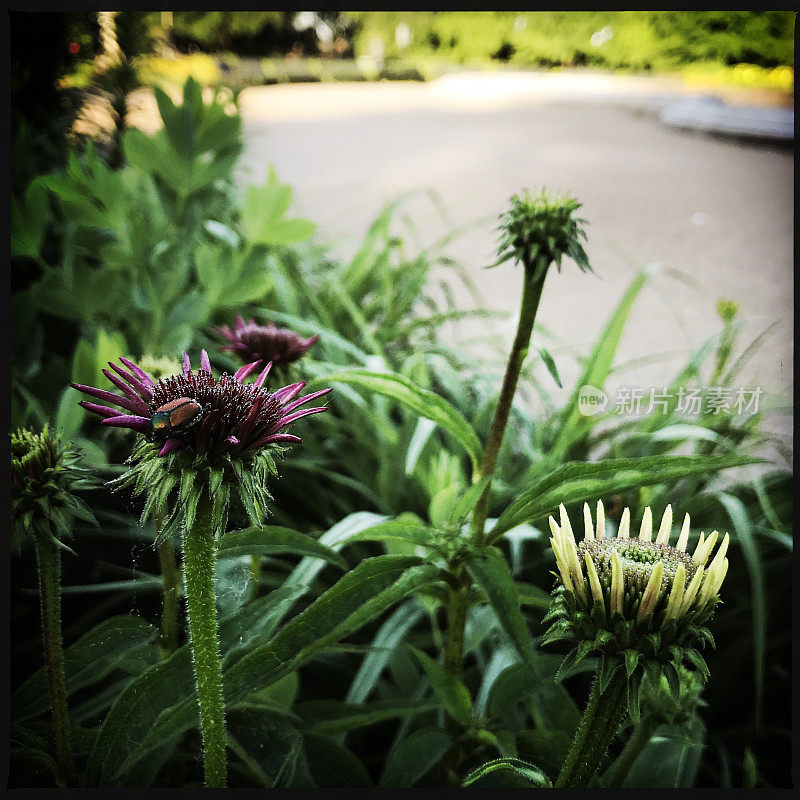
(414, 756)
(452, 693)
(272, 539)
(579, 481)
(490, 571)
(138, 707)
(421, 401)
(117, 642)
(508, 772)
(362, 594)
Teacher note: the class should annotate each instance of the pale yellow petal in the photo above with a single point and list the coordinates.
(646, 531)
(666, 526)
(617, 584)
(691, 592)
(651, 592)
(676, 593)
(704, 548)
(624, 531)
(600, 531)
(594, 581)
(587, 521)
(566, 527)
(683, 539)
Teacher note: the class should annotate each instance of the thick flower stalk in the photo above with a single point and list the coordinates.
(201, 437)
(44, 470)
(265, 342)
(637, 604)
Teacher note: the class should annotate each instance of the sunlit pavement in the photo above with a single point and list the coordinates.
(718, 210)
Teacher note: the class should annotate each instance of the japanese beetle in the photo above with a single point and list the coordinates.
(175, 416)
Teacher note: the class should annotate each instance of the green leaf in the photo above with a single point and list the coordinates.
(170, 682)
(550, 363)
(334, 765)
(510, 688)
(548, 748)
(335, 538)
(386, 641)
(263, 214)
(272, 539)
(595, 371)
(578, 481)
(671, 758)
(357, 598)
(122, 642)
(508, 772)
(744, 538)
(416, 755)
(490, 571)
(452, 693)
(333, 717)
(421, 401)
(270, 745)
(397, 530)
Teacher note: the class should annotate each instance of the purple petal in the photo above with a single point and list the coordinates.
(288, 392)
(239, 322)
(308, 342)
(138, 424)
(186, 365)
(307, 399)
(297, 414)
(138, 372)
(244, 371)
(201, 441)
(110, 397)
(132, 396)
(247, 426)
(144, 391)
(171, 444)
(205, 364)
(103, 411)
(277, 437)
(263, 376)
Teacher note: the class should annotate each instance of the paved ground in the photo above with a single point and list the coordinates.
(719, 211)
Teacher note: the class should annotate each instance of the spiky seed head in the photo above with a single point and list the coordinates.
(539, 230)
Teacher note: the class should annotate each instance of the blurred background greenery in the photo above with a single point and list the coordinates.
(131, 244)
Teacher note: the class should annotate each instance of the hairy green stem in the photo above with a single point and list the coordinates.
(255, 577)
(172, 580)
(199, 561)
(48, 557)
(531, 295)
(642, 733)
(598, 726)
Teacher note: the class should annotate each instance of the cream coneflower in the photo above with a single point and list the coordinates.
(636, 602)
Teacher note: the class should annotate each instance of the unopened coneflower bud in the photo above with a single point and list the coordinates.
(267, 343)
(618, 591)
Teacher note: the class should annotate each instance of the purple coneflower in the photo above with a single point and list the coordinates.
(265, 342)
(202, 438)
(224, 415)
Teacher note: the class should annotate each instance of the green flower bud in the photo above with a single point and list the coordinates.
(44, 470)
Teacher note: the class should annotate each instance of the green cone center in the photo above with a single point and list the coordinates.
(638, 561)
